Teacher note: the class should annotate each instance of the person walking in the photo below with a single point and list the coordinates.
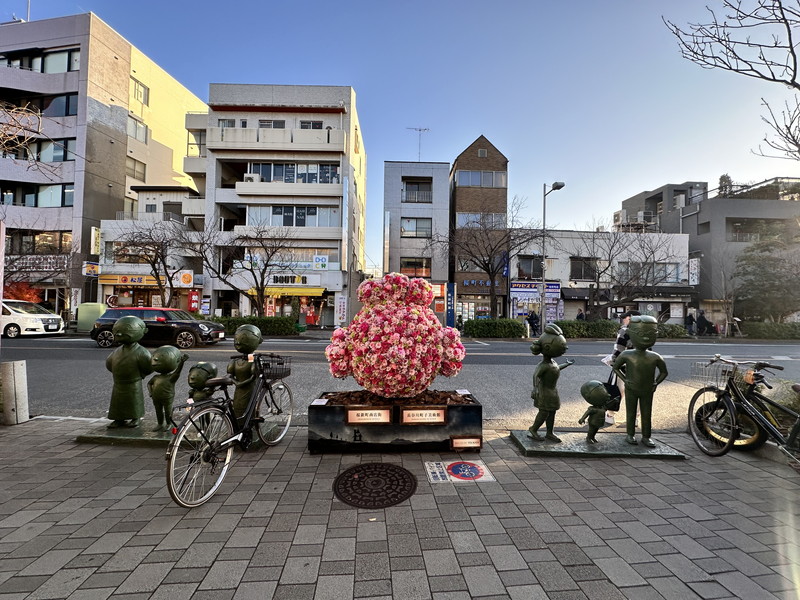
(533, 322)
(622, 343)
(704, 326)
(688, 323)
(580, 316)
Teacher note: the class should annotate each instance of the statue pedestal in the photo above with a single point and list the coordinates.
(609, 445)
(390, 427)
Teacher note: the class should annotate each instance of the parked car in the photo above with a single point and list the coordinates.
(164, 326)
(26, 318)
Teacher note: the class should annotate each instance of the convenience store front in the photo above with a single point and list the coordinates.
(142, 290)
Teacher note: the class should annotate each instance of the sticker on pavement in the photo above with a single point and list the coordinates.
(458, 470)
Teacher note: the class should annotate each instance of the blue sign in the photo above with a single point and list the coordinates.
(450, 310)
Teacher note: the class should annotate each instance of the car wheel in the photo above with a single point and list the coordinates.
(12, 330)
(105, 338)
(185, 340)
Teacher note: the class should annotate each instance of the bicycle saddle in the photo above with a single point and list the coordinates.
(219, 381)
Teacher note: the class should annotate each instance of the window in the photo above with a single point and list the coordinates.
(48, 196)
(310, 124)
(648, 273)
(140, 92)
(415, 267)
(38, 242)
(529, 267)
(417, 191)
(491, 179)
(135, 168)
(61, 62)
(485, 220)
(582, 268)
(47, 151)
(65, 105)
(226, 123)
(328, 173)
(482, 153)
(415, 228)
(196, 145)
(271, 124)
(278, 172)
(243, 123)
(150, 208)
(137, 130)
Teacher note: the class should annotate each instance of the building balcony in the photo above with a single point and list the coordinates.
(58, 218)
(193, 206)
(194, 165)
(275, 188)
(51, 127)
(421, 197)
(196, 120)
(39, 83)
(12, 169)
(147, 217)
(292, 140)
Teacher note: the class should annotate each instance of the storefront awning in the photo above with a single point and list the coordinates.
(294, 291)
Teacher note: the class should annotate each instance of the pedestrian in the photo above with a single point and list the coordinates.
(622, 343)
(688, 323)
(580, 316)
(704, 326)
(533, 322)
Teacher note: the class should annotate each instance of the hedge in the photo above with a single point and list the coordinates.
(494, 328)
(267, 325)
(771, 331)
(605, 328)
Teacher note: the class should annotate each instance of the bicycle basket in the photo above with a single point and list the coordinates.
(276, 367)
(715, 374)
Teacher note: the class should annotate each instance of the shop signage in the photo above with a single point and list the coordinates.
(450, 318)
(369, 415)
(183, 279)
(127, 280)
(91, 269)
(320, 263)
(194, 300)
(480, 283)
(460, 443)
(292, 279)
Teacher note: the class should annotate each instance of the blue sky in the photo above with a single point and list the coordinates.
(591, 93)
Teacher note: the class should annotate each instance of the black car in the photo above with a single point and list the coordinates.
(164, 326)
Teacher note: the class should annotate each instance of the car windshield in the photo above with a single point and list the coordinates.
(27, 307)
(179, 315)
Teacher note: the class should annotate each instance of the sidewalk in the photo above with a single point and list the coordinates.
(89, 522)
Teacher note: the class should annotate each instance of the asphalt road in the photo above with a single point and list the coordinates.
(67, 375)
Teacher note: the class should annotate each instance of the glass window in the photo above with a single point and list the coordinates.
(140, 91)
(582, 268)
(271, 124)
(56, 62)
(137, 130)
(288, 216)
(416, 228)
(311, 216)
(150, 208)
(529, 267)
(277, 216)
(487, 179)
(135, 168)
(310, 124)
(300, 216)
(226, 123)
(329, 173)
(197, 143)
(69, 194)
(415, 267)
(49, 196)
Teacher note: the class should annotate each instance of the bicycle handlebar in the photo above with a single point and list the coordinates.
(260, 354)
(757, 365)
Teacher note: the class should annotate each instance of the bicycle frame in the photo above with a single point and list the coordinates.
(746, 399)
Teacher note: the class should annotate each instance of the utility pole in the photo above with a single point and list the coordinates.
(420, 131)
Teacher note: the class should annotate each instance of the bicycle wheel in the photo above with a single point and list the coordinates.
(751, 435)
(196, 465)
(273, 413)
(712, 421)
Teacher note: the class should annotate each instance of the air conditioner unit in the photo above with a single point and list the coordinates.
(252, 178)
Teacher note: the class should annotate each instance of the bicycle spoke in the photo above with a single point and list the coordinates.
(712, 421)
(274, 413)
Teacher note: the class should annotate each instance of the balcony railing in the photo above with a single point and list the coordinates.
(123, 215)
(417, 196)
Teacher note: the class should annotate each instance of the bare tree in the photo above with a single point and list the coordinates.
(20, 128)
(158, 244)
(758, 39)
(246, 260)
(486, 244)
(624, 266)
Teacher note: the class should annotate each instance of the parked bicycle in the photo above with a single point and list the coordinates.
(730, 412)
(200, 452)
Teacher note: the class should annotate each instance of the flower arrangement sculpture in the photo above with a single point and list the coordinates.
(395, 345)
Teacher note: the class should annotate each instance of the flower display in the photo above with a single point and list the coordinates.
(395, 346)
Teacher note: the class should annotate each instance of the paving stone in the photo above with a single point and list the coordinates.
(410, 584)
(483, 581)
(372, 588)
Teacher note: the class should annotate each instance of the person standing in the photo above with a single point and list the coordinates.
(622, 343)
(580, 316)
(703, 325)
(688, 323)
(533, 322)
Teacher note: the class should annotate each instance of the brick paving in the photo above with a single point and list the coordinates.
(88, 522)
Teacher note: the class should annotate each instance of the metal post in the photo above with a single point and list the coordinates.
(542, 297)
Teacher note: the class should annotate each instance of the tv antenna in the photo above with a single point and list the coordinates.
(420, 131)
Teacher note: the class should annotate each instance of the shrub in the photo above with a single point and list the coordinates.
(771, 331)
(494, 328)
(267, 325)
(671, 330)
(602, 328)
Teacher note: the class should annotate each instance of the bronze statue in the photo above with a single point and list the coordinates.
(595, 393)
(167, 362)
(550, 345)
(129, 365)
(199, 375)
(246, 340)
(637, 368)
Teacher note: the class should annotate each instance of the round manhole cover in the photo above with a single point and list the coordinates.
(374, 485)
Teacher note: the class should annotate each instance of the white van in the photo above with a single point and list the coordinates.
(26, 318)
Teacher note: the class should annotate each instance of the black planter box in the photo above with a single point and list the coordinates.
(389, 428)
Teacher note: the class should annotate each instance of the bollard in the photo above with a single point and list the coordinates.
(14, 381)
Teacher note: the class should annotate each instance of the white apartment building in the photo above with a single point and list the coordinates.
(289, 159)
(112, 120)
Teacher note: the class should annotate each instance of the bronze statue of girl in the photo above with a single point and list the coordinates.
(551, 344)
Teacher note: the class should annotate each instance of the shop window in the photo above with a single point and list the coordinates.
(415, 267)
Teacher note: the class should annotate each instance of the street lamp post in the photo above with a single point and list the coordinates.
(557, 185)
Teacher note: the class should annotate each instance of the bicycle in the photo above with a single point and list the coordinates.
(731, 412)
(200, 452)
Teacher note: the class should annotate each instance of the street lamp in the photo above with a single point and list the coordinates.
(557, 185)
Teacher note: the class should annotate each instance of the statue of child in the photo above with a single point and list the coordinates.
(595, 393)
(129, 365)
(167, 362)
(246, 340)
(551, 344)
(199, 375)
(637, 369)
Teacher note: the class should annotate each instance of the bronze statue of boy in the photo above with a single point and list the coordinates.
(199, 375)
(551, 344)
(637, 369)
(246, 340)
(129, 365)
(167, 362)
(595, 393)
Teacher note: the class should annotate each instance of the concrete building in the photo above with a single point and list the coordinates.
(588, 267)
(479, 199)
(416, 204)
(289, 161)
(112, 120)
(719, 223)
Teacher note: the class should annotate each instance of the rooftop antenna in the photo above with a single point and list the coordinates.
(420, 131)
(29, 12)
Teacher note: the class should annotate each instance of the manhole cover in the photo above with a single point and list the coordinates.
(374, 485)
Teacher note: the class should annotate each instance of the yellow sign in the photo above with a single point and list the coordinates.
(133, 280)
(366, 414)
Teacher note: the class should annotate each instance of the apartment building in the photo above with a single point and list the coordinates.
(720, 224)
(289, 162)
(112, 120)
(479, 199)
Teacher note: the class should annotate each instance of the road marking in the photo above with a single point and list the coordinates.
(782, 358)
(481, 343)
